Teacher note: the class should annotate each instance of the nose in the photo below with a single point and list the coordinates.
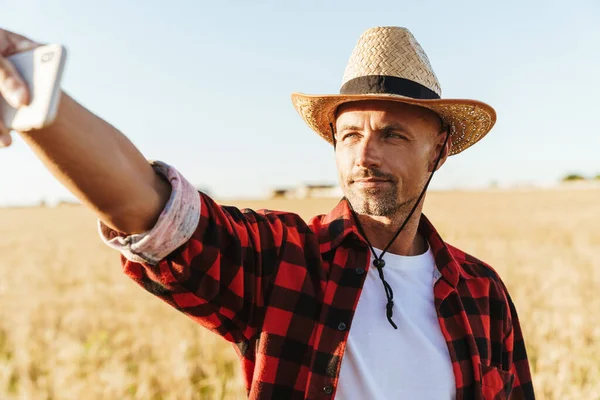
(369, 153)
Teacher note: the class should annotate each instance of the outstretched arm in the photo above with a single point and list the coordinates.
(91, 158)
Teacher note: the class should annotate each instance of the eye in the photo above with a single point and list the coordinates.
(394, 135)
(349, 135)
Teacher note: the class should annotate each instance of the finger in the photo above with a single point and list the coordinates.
(5, 138)
(12, 43)
(12, 87)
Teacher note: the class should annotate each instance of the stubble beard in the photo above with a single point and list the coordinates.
(375, 202)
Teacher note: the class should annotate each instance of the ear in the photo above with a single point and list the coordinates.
(333, 140)
(443, 145)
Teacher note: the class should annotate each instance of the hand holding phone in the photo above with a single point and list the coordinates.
(30, 77)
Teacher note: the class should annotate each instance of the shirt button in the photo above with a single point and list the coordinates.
(360, 271)
(342, 326)
(328, 389)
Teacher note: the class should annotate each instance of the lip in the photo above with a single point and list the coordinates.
(371, 183)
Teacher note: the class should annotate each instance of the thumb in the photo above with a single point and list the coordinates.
(5, 139)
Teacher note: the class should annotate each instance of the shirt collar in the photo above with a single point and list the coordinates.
(338, 225)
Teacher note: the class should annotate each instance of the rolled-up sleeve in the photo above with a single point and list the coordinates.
(214, 263)
(174, 227)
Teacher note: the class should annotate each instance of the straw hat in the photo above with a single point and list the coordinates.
(389, 64)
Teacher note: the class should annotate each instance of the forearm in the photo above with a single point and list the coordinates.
(101, 167)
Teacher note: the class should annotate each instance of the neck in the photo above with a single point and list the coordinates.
(380, 230)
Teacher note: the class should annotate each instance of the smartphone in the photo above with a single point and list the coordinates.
(42, 70)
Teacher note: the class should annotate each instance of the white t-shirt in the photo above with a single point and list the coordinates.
(411, 362)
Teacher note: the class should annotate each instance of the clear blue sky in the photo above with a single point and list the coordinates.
(205, 86)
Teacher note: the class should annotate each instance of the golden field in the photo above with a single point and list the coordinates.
(73, 326)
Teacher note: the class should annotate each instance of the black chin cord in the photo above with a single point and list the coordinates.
(378, 262)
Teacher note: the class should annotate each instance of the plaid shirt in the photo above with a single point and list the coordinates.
(284, 293)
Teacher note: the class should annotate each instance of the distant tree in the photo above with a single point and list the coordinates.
(573, 177)
(597, 177)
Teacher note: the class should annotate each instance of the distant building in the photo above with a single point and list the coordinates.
(279, 193)
(308, 192)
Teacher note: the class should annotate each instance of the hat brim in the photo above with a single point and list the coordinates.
(469, 120)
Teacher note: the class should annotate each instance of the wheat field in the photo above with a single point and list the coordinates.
(73, 326)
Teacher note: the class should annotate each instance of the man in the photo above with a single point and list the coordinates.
(366, 302)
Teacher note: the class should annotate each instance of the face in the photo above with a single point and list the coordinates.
(385, 153)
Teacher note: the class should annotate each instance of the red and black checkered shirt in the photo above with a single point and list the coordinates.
(279, 289)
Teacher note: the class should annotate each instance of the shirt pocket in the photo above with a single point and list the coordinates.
(496, 384)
